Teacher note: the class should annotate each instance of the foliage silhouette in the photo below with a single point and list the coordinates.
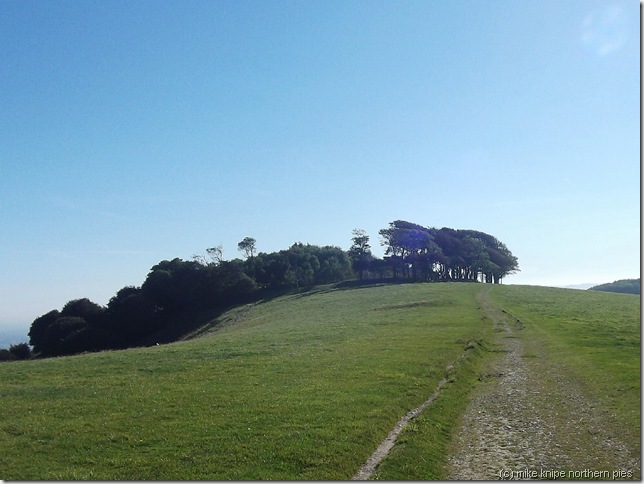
(627, 286)
(176, 295)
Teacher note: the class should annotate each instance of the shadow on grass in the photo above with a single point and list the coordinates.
(193, 326)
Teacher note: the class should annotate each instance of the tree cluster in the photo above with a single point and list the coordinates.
(301, 265)
(135, 315)
(176, 291)
(20, 351)
(626, 286)
(429, 254)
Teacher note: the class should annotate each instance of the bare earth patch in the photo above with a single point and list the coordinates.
(529, 420)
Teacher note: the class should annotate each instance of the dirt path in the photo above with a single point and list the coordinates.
(529, 420)
(383, 449)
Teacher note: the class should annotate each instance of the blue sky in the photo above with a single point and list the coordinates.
(132, 132)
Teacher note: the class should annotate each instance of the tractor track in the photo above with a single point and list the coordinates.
(369, 467)
(530, 420)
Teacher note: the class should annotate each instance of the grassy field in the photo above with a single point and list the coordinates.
(300, 387)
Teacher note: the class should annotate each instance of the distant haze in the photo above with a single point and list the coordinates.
(585, 285)
(13, 335)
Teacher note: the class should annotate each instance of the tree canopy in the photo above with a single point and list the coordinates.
(627, 286)
(175, 291)
(429, 254)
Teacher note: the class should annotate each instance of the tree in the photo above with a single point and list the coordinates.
(131, 316)
(80, 326)
(301, 265)
(407, 246)
(84, 308)
(446, 254)
(39, 328)
(360, 252)
(627, 286)
(390, 238)
(21, 351)
(59, 339)
(158, 287)
(6, 355)
(216, 253)
(200, 259)
(247, 246)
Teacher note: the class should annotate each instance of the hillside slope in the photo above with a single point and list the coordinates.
(627, 286)
(305, 386)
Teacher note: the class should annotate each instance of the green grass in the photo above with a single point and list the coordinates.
(300, 387)
(420, 454)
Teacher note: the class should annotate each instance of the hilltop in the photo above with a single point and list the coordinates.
(177, 294)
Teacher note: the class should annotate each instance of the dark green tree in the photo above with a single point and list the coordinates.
(395, 251)
(6, 355)
(21, 351)
(132, 316)
(360, 252)
(626, 286)
(61, 337)
(426, 253)
(84, 308)
(39, 328)
(247, 246)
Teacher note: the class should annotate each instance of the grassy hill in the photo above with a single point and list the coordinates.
(301, 387)
(628, 286)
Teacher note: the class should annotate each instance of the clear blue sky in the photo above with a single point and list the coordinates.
(132, 132)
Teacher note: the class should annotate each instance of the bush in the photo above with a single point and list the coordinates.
(6, 355)
(21, 351)
(60, 338)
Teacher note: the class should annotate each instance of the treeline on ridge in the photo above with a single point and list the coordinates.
(626, 286)
(176, 292)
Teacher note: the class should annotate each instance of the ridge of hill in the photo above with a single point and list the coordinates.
(306, 386)
(628, 286)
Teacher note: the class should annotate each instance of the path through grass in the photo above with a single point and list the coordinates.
(561, 396)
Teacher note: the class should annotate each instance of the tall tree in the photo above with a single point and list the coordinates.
(394, 252)
(247, 246)
(360, 252)
(216, 253)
